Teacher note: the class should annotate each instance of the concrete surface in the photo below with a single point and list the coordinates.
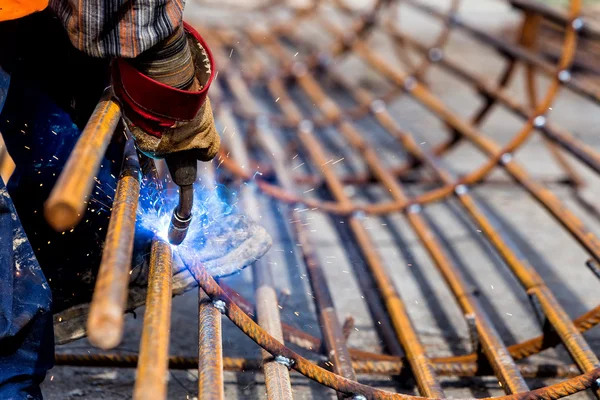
(438, 320)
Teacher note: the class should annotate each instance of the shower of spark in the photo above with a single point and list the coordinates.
(211, 205)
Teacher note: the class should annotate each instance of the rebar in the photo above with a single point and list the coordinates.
(67, 202)
(105, 322)
(152, 368)
(274, 97)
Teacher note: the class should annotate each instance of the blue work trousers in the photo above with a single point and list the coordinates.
(47, 91)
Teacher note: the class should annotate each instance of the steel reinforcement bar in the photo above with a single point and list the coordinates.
(265, 70)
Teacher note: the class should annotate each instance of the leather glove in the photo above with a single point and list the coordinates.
(163, 118)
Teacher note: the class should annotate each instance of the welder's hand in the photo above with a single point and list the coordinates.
(162, 118)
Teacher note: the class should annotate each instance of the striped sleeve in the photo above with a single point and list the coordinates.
(118, 28)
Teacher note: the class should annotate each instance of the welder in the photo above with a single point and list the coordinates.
(55, 61)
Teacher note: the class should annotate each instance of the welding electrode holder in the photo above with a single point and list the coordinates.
(183, 167)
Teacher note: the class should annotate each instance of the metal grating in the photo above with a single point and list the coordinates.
(311, 103)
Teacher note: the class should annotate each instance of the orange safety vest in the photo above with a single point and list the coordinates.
(13, 9)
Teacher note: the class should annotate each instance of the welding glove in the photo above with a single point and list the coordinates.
(163, 93)
(224, 245)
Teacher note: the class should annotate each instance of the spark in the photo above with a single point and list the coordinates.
(337, 161)
(210, 206)
(298, 166)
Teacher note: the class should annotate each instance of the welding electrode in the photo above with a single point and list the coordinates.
(183, 169)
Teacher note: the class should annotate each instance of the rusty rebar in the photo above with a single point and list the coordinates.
(271, 332)
(334, 339)
(555, 15)
(152, 368)
(318, 374)
(375, 367)
(312, 91)
(517, 351)
(333, 335)
(578, 149)
(575, 22)
(405, 333)
(277, 378)
(105, 322)
(491, 343)
(210, 349)
(577, 346)
(68, 199)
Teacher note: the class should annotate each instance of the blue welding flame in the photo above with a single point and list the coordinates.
(156, 205)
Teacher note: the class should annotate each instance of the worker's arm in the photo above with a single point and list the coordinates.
(117, 28)
(161, 73)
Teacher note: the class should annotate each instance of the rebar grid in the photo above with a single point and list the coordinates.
(266, 70)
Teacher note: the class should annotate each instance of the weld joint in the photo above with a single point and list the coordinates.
(414, 208)
(410, 83)
(454, 19)
(539, 121)
(220, 305)
(299, 68)
(435, 54)
(306, 126)
(461, 190)
(578, 24)
(506, 158)
(283, 360)
(377, 106)
(324, 58)
(564, 76)
(262, 121)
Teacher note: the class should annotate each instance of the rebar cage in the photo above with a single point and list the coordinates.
(358, 119)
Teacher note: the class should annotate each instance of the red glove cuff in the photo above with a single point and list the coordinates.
(154, 106)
